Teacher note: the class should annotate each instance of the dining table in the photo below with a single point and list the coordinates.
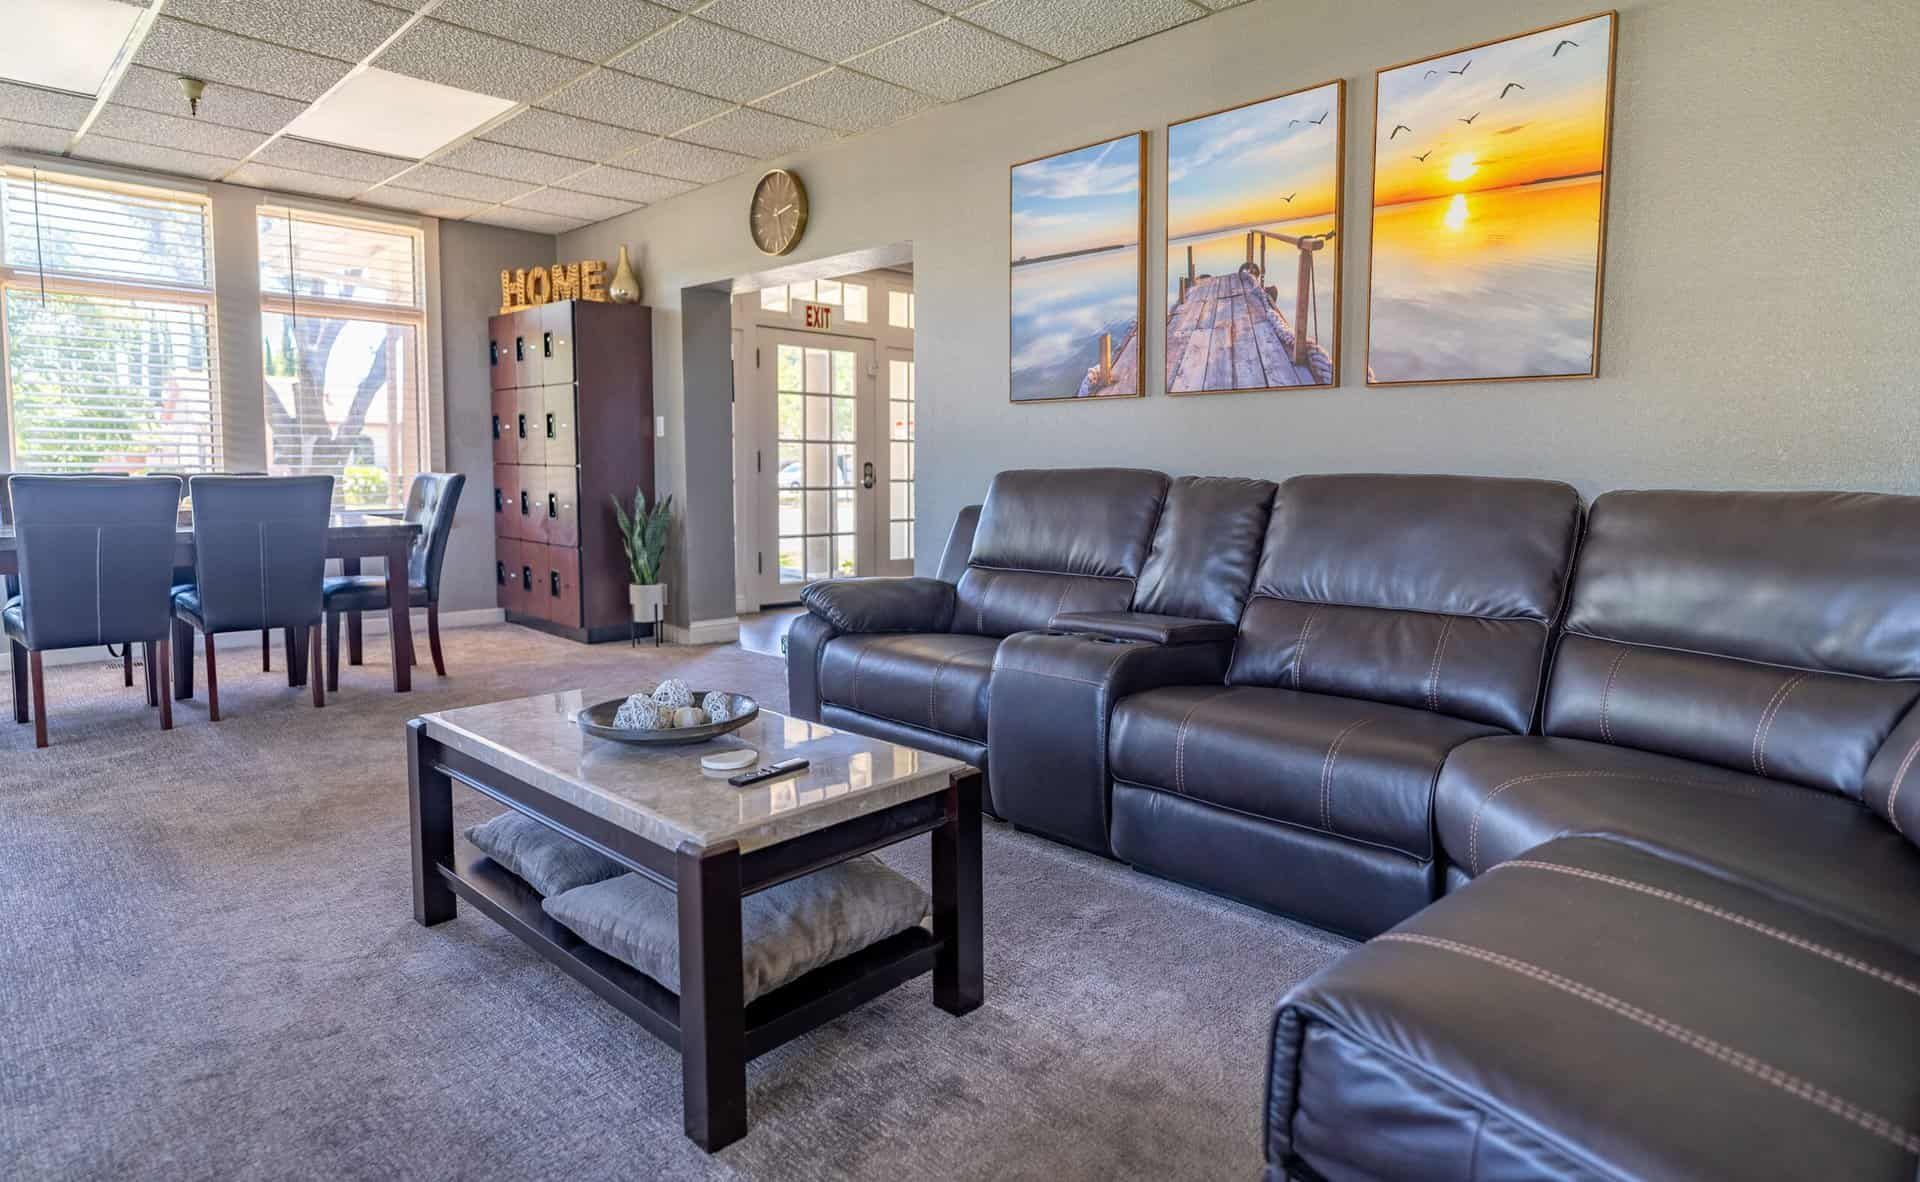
(351, 537)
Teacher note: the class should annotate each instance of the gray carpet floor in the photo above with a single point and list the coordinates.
(210, 970)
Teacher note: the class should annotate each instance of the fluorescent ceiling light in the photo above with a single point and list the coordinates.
(63, 44)
(378, 110)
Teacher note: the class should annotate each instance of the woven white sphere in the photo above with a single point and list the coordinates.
(673, 694)
(719, 705)
(638, 713)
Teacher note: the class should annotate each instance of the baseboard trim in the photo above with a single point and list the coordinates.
(371, 624)
(721, 631)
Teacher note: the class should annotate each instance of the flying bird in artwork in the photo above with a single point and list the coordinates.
(1422, 157)
(1397, 129)
(1470, 118)
(1293, 123)
(1510, 88)
(1290, 196)
(1322, 119)
(1462, 69)
(1430, 74)
(1563, 44)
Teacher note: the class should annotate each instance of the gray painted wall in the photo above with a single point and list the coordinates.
(471, 258)
(1763, 248)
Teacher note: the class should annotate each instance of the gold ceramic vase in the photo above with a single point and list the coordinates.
(625, 288)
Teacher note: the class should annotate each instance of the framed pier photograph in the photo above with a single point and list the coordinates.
(1490, 209)
(1253, 238)
(1077, 272)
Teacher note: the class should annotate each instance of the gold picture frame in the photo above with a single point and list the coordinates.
(1300, 351)
(1090, 203)
(1531, 215)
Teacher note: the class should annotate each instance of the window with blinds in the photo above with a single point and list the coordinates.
(106, 302)
(343, 326)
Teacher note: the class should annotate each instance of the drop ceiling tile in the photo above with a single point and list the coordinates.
(831, 29)
(48, 108)
(174, 131)
(613, 97)
(578, 28)
(431, 204)
(527, 219)
(1070, 29)
(643, 187)
(345, 29)
(756, 133)
(159, 159)
(453, 56)
(573, 205)
(846, 101)
(308, 156)
(33, 137)
(225, 104)
(293, 180)
(684, 161)
(698, 56)
(178, 47)
(549, 131)
(451, 182)
(952, 60)
(515, 163)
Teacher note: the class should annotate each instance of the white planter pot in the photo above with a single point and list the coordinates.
(649, 601)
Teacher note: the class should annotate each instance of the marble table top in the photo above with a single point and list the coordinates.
(662, 793)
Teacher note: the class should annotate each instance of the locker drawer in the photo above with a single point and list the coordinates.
(562, 506)
(529, 424)
(506, 448)
(557, 426)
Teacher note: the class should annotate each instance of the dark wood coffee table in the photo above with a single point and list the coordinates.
(656, 812)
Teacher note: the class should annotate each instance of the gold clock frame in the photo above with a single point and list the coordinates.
(799, 229)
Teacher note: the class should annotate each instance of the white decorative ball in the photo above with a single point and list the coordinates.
(638, 713)
(719, 705)
(689, 716)
(673, 694)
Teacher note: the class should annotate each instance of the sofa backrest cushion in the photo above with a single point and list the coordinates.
(1054, 540)
(1205, 547)
(1773, 632)
(1437, 592)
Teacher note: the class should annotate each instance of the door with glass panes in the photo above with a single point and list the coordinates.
(828, 476)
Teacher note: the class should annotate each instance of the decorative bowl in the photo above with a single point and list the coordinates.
(597, 720)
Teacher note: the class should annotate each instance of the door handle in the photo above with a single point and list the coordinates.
(499, 501)
(526, 578)
(550, 427)
(525, 504)
(500, 574)
(493, 353)
(546, 344)
(553, 583)
(553, 505)
(519, 349)
(866, 474)
(523, 426)
(496, 427)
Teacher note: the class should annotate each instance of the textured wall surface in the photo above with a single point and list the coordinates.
(1762, 253)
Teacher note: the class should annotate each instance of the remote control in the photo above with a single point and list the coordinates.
(770, 771)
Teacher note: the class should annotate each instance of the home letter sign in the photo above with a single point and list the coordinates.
(532, 286)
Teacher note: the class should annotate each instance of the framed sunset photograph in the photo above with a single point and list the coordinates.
(1253, 258)
(1077, 272)
(1489, 209)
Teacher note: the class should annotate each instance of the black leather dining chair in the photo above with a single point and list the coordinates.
(431, 499)
(96, 559)
(260, 553)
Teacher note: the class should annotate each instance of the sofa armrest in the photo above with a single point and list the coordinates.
(882, 605)
(1892, 784)
(1155, 629)
(1049, 708)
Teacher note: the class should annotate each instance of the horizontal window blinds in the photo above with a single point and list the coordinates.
(306, 256)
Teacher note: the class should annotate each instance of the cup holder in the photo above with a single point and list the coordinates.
(1111, 640)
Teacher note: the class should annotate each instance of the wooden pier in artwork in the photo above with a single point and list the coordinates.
(1226, 332)
(1113, 373)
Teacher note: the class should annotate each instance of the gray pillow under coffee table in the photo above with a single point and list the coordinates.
(547, 860)
(777, 923)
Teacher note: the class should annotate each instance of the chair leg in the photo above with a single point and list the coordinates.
(333, 652)
(213, 683)
(38, 676)
(19, 667)
(314, 677)
(161, 692)
(433, 639)
(266, 650)
(126, 662)
(356, 648)
(290, 643)
(147, 663)
(182, 637)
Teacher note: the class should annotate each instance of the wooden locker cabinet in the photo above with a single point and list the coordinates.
(573, 428)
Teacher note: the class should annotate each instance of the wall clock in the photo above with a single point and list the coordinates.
(778, 215)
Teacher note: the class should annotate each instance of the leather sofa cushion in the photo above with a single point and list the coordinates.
(1071, 521)
(355, 593)
(1498, 798)
(1345, 766)
(993, 602)
(882, 605)
(936, 681)
(1205, 547)
(1600, 1011)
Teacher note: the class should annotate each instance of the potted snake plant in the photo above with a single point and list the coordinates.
(644, 534)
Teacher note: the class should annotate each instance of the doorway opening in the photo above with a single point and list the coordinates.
(824, 425)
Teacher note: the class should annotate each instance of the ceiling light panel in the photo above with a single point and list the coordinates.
(63, 44)
(395, 115)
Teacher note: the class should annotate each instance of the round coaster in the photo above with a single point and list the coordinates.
(729, 761)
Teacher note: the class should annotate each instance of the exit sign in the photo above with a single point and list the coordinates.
(818, 315)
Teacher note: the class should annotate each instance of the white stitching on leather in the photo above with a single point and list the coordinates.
(1606, 731)
(1300, 646)
(1732, 917)
(1326, 774)
(1899, 778)
(1765, 726)
(1433, 670)
(1758, 1068)
(1180, 742)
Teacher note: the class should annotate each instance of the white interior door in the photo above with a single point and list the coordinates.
(896, 411)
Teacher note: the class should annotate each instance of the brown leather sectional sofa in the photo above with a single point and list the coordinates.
(1619, 797)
